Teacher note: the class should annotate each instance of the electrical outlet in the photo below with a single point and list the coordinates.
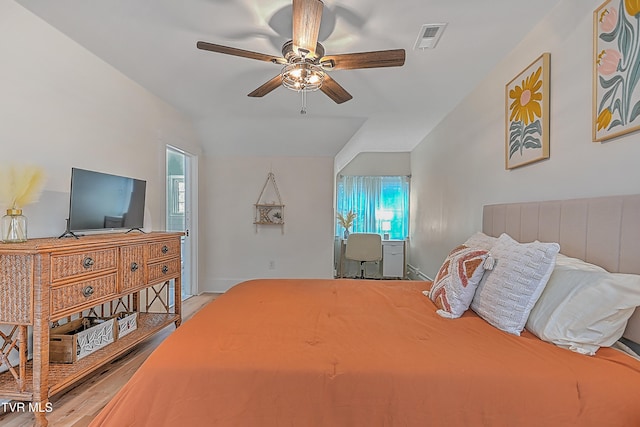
(272, 265)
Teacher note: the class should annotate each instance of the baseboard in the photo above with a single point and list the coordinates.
(219, 286)
(414, 273)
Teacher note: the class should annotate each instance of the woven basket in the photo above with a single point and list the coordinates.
(79, 338)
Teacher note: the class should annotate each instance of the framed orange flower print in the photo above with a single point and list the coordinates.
(527, 115)
(616, 69)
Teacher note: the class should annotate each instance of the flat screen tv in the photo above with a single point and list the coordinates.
(101, 201)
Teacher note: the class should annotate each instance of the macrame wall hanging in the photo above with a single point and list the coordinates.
(269, 213)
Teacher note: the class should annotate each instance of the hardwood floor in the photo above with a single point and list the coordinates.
(77, 406)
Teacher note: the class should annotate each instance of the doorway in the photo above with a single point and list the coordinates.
(181, 199)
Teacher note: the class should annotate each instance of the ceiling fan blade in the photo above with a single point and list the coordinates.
(333, 90)
(267, 87)
(240, 52)
(306, 24)
(375, 59)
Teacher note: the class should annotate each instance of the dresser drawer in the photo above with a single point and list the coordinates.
(164, 249)
(133, 273)
(84, 294)
(76, 264)
(160, 271)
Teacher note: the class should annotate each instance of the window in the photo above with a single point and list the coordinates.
(381, 204)
(177, 195)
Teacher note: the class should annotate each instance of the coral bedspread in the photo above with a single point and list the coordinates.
(365, 353)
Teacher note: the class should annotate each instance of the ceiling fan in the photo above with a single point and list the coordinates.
(304, 62)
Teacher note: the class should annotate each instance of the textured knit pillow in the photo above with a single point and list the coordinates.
(457, 280)
(481, 240)
(506, 294)
(584, 307)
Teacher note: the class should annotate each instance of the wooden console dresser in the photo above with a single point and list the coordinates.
(44, 281)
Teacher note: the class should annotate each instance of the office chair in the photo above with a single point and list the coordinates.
(363, 247)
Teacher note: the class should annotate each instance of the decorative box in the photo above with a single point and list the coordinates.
(79, 338)
(127, 323)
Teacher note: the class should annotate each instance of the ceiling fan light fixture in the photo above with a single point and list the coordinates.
(302, 76)
(305, 66)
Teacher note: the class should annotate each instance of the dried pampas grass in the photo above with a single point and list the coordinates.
(20, 186)
(346, 220)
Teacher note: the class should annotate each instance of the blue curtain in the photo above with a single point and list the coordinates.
(381, 204)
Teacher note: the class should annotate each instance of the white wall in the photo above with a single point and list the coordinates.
(457, 169)
(233, 251)
(60, 107)
(379, 164)
(63, 107)
(386, 132)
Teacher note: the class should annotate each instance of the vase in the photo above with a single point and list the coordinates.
(14, 226)
(346, 234)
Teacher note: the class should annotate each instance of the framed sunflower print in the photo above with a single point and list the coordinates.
(527, 115)
(616, 69)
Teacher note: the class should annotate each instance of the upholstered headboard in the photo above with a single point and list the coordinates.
(602, 230)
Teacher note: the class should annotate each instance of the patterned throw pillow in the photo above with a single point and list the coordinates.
(506, 295)
(457, 280)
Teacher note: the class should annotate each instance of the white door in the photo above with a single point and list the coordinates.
(181, 199)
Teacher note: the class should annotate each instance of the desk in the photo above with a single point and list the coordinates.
(393, 263)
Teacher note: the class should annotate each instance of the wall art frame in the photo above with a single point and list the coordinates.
(269, 213)
(616, 69)
(527, 114)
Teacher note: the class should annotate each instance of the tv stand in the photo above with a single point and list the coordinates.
(134, 229)
(68, 233)
(49, 280)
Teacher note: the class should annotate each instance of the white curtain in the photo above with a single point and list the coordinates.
(381, 204)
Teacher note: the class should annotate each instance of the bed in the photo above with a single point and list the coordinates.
(314, 352)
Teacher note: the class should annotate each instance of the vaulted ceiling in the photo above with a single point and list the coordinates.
(153, 42)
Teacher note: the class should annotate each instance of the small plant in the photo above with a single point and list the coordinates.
(20, 186)
(346, 220)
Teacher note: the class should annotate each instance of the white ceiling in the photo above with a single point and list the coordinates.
(153, 42)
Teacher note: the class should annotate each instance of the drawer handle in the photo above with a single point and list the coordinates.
(165, 249)
(134, 266)
(87, 262)
(87, 291)
(165, 269)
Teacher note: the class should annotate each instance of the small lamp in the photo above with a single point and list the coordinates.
(386, 227)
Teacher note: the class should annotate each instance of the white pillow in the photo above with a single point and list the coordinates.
(506, 294)
(481, 240)
(566, 261)
(584, 307)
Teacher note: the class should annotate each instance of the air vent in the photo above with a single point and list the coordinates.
(429, 35)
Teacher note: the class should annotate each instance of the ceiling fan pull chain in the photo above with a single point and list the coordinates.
(303, 94)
